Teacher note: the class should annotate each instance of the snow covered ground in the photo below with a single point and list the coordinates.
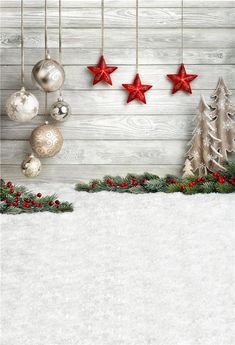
(153, 269)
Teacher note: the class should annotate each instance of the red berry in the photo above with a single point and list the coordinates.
(38, 205)
(144, 180)
(216, 174)
(183, 187)
(39, 195)
(9, 184)
(231, 181)
(18, 193)
(191, 184)
(51, 203)
(27, 200)
(4, 200)
(57, 202)
(15, 203)
(220, 179)
(33, 202)
(16, 200)
(11, 190)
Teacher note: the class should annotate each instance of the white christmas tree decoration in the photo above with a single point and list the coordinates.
(188, 169)
(223, 110)
(203, 153)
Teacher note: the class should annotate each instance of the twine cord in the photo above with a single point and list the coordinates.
(102, 27)
(182, 31)
(137, 36)
(45, 32)
(46, 45)
(60, 38)
(22, 43)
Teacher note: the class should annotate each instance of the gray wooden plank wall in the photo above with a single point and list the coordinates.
(104, 134)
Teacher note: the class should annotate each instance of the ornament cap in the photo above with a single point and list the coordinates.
(48, 57)
(22, 89)
(60, 99)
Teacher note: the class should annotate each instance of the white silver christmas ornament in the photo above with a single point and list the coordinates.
(22, 106)
(60, 110)
(31, 166)
(48, 75)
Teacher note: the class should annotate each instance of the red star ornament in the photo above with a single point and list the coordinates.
(137, 90)
(102, 72)
(181, 81)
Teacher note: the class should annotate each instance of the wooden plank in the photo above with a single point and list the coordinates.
(111, 102)
(122, 38)
(75, 173)
(121, 17)
(103, 152)
(114, 127)
(122, 3)
(79, 78)
(125, 56)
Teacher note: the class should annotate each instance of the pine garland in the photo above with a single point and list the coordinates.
(217, 182)
(16, 199)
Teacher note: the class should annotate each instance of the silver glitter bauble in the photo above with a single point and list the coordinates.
(31, 166)
(60, 110)
(48, 75)
(46, 140)
(22, 106)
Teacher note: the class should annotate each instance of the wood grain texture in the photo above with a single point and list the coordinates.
(103, 152)
(122, 3)
(105, 135)
(79, 78)
(113, 127)
(112, 102)
(125, 56)
(75, 173)
(121, 17)
(122, 37)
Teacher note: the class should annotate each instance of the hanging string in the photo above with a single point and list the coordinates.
(182, 31)
(137, 36)
(46, 101)
(45, 24)
(22, 43)
(46, 46)
(102, 27)
(60, 37)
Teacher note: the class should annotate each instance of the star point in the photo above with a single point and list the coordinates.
(102, 71)
(136, 90)
(182, 80)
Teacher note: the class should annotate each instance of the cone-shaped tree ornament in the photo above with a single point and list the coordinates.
(223, 110)
(203, 146)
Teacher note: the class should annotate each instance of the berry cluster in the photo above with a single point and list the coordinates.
(222, 179)
(217, 182)
(18, 199)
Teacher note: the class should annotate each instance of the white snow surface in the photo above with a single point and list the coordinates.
(122, 269)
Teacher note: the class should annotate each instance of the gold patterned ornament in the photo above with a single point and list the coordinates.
(31, 166)
(22, 106)
(46, 140)
(48, 75)
(60, 110)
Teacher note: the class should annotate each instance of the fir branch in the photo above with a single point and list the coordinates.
(16, 199)
(219, 182)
